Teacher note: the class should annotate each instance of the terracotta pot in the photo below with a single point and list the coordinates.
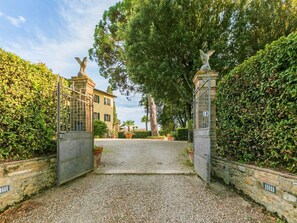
(97, 155)
(191, 155)
(128, 135)
(169, 137)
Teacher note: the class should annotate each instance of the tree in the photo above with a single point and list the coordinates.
(153, 45)
(153, 116)
(100, 128)
(129, 124)
(108, 48)
(144, 102)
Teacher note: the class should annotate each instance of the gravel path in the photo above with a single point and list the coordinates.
(111, 194)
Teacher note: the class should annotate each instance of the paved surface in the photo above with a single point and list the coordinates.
(112, 194)
(143, 157)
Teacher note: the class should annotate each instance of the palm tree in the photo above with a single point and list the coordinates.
(129, 124)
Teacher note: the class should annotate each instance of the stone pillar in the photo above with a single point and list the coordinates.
(198, 80)
(85, 85)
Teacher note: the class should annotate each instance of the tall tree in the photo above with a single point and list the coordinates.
(108, 48)
(153, 45)
(153, 115)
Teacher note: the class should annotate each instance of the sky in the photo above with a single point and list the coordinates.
(54, 32)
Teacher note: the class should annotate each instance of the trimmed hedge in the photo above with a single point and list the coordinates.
(257, 109)
(27, 108)
(136, 134)
(182, 134)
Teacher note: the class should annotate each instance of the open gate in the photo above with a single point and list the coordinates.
(202, 141)
(75, 139)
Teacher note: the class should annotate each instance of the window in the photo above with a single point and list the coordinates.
(96, 116)
(107, 118)
(97, 98)
(107, 101)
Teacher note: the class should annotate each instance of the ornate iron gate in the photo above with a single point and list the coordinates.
(202, 144)
(75, 139)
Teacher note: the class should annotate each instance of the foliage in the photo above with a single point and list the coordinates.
(130, 124)
(182, 134)
(100, 128)
(136, 134)
(27, 107)
(108, 48)
(153, 46)
(257, 109)
(141, 134)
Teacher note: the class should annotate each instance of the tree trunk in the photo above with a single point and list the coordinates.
(190, 124)
(147, 114)
(153, 116)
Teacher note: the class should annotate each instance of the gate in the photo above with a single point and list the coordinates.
(202, 143)
(75, 139)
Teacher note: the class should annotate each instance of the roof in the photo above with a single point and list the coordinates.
(104, 92)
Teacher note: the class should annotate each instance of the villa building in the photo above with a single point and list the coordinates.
(103, 107)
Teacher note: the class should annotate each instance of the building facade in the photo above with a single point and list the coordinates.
(103, 107)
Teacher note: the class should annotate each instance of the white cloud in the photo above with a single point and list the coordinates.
(73, 38)
(14, 21)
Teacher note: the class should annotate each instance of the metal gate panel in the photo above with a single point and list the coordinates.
(202, 153)
(75, 139)
(202, 163)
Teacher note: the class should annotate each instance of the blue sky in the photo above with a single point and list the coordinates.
(56, 31)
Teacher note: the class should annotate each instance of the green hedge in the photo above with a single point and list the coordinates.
(182, 134)
(257, 109)
(137, 134)
(27, 108)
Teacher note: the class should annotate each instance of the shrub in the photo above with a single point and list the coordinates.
(136, 134)
(100, 128)
(27, 107)
(141, 134)
(257, 109)
(121, 135)
(182, 134)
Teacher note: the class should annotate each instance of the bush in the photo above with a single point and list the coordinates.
(257, 109)
(27, 107)
(182, 134)
(137, 134)
(141, 134)
(121, 135)
(100, 128)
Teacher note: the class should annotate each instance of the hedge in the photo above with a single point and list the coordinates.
(257, 109)
(136, 134)
(27, 108)
(182, 134)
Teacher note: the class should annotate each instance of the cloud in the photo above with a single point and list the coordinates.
(74, 36)
(14, 21)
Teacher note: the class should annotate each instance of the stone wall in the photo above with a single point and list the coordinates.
(25, 178)
(251, 181)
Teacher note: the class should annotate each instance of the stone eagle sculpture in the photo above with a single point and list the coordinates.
(83, 65)
(205, 59)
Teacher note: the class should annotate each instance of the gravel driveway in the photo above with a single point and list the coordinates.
(139, 181)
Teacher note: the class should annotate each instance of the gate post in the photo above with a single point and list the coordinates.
(85, 85)
(198, 80)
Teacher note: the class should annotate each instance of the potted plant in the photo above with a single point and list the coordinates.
(97, 151)
(190, 153)
(114, 134)
(129, 124)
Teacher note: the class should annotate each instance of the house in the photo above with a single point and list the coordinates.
(103, 107)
